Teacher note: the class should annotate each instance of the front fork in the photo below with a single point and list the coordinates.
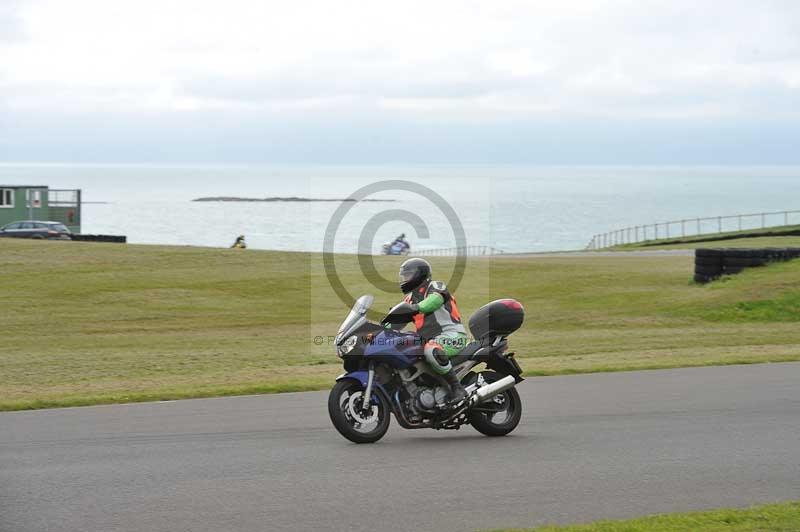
(365, 403)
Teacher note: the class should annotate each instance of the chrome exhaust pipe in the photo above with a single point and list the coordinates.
(481, 395)
(484, 393)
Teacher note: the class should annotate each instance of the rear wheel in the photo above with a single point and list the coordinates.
(501, 414)
(345, 407)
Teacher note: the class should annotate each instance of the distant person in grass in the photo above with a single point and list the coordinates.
(240, 243)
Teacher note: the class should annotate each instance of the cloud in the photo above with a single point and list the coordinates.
(519, 56)
(445, 62)
(11, 24)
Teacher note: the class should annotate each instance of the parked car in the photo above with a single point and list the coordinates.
(37, 230)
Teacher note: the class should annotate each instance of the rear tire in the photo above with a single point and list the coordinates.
(348, 425)
(485, 423)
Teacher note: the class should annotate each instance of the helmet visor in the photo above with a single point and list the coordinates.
(406, 275)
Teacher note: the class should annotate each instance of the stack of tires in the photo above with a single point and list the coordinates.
(707, 264)
(781, 254)
(710, 264)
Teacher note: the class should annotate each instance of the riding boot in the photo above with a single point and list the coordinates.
(457, 391)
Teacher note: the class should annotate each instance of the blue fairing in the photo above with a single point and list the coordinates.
(399, 350)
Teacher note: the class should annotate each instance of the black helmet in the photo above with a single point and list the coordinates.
(413, 273)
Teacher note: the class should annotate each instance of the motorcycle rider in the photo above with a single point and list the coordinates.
(402, 242)
(437, 320)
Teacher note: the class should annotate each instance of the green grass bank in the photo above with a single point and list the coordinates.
(783, 517)
(88, 323)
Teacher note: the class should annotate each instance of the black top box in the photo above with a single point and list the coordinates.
(498, 318)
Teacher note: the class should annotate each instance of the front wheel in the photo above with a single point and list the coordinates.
(359, 425)
(497, 416)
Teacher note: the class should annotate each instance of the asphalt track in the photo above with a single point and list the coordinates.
(589, 447)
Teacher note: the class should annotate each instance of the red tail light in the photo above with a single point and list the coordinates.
(512, 304)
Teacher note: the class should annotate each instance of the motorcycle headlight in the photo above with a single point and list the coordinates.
(347, 346)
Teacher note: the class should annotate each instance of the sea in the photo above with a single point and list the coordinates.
(513, 209)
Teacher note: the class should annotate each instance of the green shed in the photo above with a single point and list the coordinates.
(32, 202)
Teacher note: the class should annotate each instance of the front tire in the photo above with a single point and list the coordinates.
(508, 410)
(344, 408)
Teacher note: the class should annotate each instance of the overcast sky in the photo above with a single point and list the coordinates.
(569, 82)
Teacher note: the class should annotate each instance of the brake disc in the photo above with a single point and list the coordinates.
(357, 413)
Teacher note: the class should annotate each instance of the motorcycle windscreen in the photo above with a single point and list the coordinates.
(360, 308)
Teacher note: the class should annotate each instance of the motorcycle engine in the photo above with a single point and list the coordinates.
(431, 398)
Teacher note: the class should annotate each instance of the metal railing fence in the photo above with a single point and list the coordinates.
(64, 198)
(693, 227)
(470, 251)
(65, 207)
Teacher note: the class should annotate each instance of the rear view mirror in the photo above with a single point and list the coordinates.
(400, 314)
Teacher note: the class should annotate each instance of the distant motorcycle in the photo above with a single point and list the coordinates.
(386, 373)
(396, 248)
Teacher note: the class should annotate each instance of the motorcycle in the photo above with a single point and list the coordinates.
(396, 248)
(386, 373)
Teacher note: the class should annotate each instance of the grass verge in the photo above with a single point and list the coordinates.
(88, 323)
(784, 517)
